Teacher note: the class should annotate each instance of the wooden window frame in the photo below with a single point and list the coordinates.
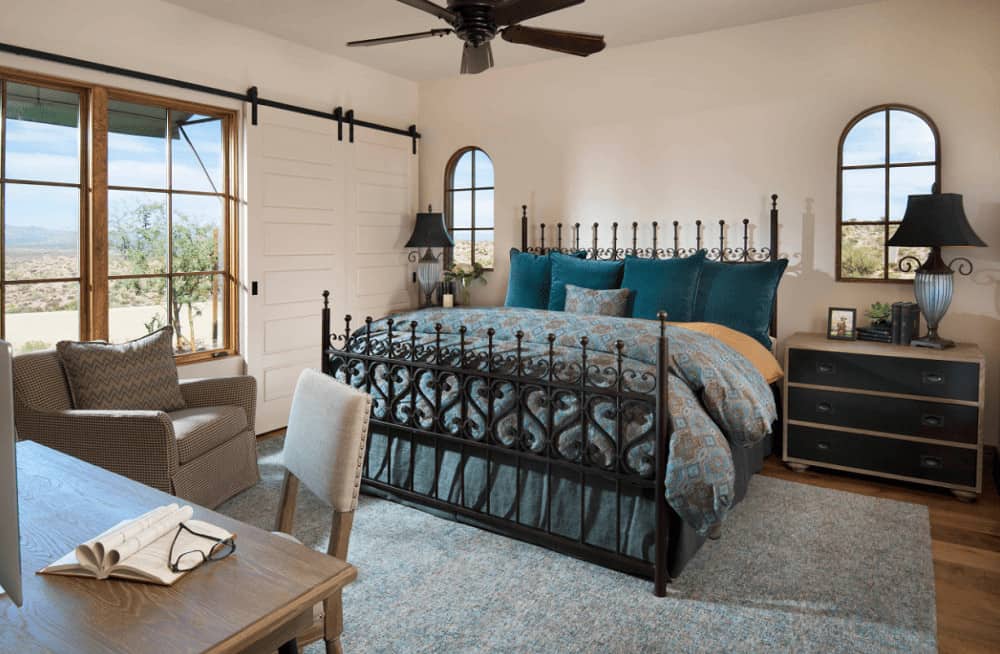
(450, 190)
(886, 166)
(94, 277)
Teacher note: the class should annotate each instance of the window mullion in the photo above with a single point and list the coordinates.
(885, 228)
(170, 230)
(94, 275)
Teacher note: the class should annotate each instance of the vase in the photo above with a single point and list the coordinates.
(465, 295)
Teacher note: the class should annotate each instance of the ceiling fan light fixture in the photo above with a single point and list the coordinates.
(476, 58)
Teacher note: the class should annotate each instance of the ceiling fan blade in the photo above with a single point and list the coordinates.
(515, 11)
(402, 37)
(575, 43)
(437, 10)
(476, 58)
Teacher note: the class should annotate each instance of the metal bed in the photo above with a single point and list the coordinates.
(429, 390)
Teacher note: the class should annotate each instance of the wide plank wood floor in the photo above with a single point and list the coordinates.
(965, 545)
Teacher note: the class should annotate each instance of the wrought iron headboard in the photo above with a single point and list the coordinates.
(723, 252)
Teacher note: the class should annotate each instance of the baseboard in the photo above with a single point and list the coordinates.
(274, 433)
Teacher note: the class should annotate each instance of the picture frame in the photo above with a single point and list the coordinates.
(841, 324)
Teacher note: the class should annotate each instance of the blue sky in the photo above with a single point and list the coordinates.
(38, 151)
(911, 141)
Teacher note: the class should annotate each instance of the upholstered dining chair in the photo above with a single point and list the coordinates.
(324, 449)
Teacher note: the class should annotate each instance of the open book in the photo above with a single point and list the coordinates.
(138, 549)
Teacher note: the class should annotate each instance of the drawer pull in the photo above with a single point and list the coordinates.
(823, 445)
(933, 378)
(928, 420)
(826, 368)
(824, 407)
(931, 462)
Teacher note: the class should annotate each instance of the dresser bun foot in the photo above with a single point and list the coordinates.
(797, 467)
(965, 496)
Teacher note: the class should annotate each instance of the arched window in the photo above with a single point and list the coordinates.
(886, 154)
(468, 199)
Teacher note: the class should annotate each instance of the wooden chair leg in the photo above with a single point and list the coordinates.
(333, 625)
(333, 608)
(286, 505)
(340, 534)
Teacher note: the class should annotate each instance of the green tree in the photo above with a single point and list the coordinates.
(139, 235)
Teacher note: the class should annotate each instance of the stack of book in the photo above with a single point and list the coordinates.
(877, 333)
(903, 328)
(905, 322)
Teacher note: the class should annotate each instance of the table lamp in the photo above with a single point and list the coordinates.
(429, 232)
(936, 220)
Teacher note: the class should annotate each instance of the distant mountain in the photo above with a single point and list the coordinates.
(39, 238)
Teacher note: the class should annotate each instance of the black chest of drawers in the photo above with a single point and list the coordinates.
(905, 413)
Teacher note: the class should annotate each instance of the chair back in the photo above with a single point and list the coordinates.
(40, 382)
(325, 440)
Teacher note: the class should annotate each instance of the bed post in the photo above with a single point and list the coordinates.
(324, 362)
(774, 257)
(660, 573)
(524, 228)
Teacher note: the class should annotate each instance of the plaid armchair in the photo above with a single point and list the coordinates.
(205, 453)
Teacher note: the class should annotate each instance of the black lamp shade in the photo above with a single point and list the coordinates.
(935, 220)
(430, 232)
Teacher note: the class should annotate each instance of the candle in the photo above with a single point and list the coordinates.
(448, 300)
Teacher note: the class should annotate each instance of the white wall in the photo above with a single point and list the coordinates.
(707, 126)
(164, 39)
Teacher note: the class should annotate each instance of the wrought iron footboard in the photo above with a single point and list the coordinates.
(563, 414)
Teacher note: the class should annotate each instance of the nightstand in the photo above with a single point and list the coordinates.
(894, 411)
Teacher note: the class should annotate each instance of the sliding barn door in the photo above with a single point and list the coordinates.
(321, 215)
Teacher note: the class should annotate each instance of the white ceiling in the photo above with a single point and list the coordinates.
(328, 24)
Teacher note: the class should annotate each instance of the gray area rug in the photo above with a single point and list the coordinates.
(798, 569)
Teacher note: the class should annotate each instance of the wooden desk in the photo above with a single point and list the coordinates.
(221, 607)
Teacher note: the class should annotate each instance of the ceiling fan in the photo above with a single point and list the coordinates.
(477, 22)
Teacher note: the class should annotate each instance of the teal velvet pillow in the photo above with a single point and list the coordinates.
(530, 279)
(663, 285)
(739, 296)
(586, 273)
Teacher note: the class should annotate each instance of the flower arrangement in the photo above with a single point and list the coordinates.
(464, 274)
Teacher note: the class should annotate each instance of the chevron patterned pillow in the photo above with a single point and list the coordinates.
(133, 376)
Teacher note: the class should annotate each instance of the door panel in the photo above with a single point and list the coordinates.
(322, 215)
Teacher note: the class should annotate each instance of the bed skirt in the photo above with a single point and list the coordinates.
(535, 499)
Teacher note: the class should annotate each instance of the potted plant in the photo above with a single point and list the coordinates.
(463, 275)
(880, 315)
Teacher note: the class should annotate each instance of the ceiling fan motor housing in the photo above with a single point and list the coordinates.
(477, 25)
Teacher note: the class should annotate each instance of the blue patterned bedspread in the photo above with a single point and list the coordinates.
(717, 399)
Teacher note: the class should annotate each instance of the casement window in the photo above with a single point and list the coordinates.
(118, 217)
(469, 206)
(886, 154)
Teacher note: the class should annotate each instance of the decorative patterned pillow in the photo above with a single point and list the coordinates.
(611, 302)
(133, 376)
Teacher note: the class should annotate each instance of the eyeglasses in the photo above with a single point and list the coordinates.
(187, 561)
